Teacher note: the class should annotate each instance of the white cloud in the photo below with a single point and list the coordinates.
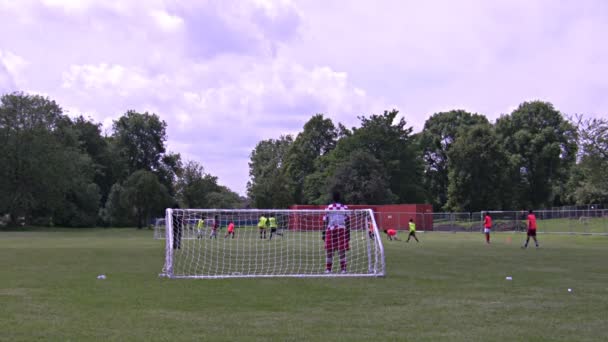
(225, 74)
(167, 22)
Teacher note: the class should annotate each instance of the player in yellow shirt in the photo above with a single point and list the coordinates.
(412, 225)
(200, 226)
(272, 223)
(262, 224)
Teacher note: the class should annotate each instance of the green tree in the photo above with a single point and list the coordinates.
(108, 165)
(391, 143)
(116, 213)
(142, 139)
(269, 186)
(224, 199)
(542, 147)
(42, 168)
(362, 179)
(436, 139)
(477, 178)
(144, 195)
(317, 139)
(589, 183)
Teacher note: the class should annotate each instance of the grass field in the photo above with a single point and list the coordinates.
(449, 287)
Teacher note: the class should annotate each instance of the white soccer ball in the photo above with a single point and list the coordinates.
(569, 290)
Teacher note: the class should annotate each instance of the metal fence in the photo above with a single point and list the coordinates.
(562, 221)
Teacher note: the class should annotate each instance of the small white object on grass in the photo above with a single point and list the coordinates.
(101, 276)
(569, 290)
(509, 278)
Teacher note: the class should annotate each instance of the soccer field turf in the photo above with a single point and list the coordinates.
(449, 287)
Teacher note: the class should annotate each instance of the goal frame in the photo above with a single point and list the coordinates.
(376, 262)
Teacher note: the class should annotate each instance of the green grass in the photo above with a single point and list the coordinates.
(449, 287)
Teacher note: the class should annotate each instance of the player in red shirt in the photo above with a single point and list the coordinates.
(487, 226)
(230, 230)
(392, 234)
(336, 233)
(531, 230)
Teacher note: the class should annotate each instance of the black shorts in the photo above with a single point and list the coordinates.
(412, 233)
(531, 232)
(272, 230)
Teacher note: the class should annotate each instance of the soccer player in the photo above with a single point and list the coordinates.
(214, 228)
(392, 234)
(272, 223)
(531, 229)
(487, 226)
(336, 233)
(262, 223)
(370, 230)
(412, 234)
(200, 225)
(230, 230)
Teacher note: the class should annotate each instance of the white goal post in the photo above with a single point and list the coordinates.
(292, 243)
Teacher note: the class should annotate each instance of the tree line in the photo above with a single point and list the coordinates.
(57, 170)
(531, 158)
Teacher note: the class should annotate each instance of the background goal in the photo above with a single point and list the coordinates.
(294, 249)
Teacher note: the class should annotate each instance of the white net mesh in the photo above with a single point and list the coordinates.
(159, 228)
(200, 244)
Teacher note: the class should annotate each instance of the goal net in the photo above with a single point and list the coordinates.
(201, 243)
(160, 226)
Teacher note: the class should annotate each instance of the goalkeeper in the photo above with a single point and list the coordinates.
(262, 224)
(336, 233)
(272, 223)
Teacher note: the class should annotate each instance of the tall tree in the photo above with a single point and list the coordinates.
(142, 138)
(589, 183)
(41, 165)
(436, 139)
(144, 195)
(362, 179)
(268, 186)
(542, 148)
(391, 143)
(197, 189)
(477, 176)
(317, 139)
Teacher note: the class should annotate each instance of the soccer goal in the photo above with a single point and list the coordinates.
(270, 243)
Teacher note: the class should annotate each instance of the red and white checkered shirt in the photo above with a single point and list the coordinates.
(336, 219)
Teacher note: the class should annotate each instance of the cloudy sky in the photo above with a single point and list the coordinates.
(226, 74)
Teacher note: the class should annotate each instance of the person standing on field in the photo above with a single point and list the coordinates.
(531, 230)
(370, 231)
(230, 230)
(272, 223)
(262, 223)
(412, 234)
(214, 228)
(336, 233)
(178, 227)
(487, 226)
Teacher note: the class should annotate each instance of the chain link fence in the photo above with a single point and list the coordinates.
(561, 221)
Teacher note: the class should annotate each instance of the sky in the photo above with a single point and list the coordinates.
(225, 74)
